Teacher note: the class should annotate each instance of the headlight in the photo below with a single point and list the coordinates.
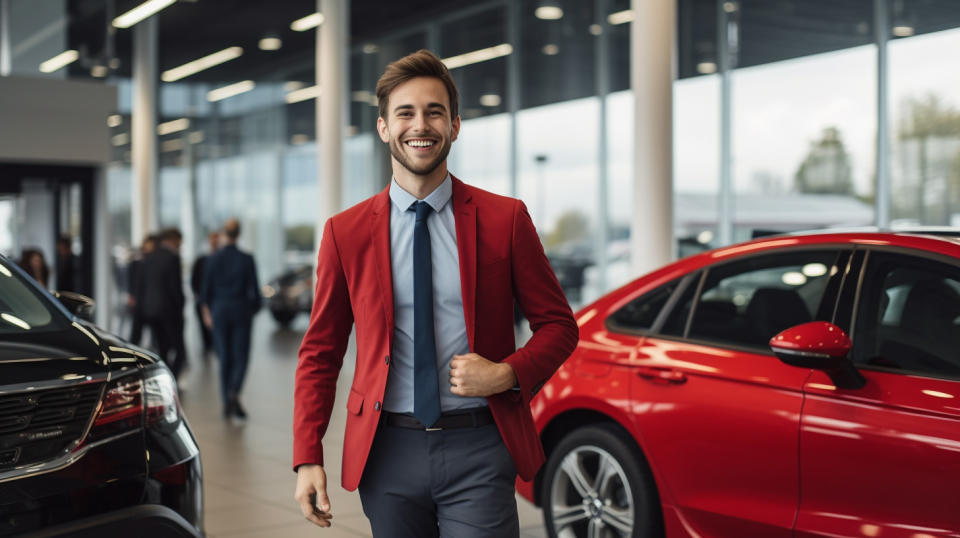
(163, 405)
(131, 401)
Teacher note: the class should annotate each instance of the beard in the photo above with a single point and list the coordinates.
(421, 170)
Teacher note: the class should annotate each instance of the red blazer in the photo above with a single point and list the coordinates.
(501, 260)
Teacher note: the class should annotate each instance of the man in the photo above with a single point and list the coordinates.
(438, 420)
(134, 275)
(68, 267)
(196, 285)
(231, 297)
(159, 295)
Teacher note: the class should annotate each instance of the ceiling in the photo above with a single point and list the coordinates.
(190, 29)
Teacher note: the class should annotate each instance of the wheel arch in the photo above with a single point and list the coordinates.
(572, 419)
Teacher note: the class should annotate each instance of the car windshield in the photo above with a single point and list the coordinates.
(22, 306)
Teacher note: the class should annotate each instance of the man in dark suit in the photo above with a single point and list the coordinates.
(231, 297)
(134, 276)
(438, 422)
(196, 285)
(159, 295)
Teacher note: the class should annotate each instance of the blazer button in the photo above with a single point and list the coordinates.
(386, 360)
(376, 406)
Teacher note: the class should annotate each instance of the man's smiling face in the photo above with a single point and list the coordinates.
(418, 126)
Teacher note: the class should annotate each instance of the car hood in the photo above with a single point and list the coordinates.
(80, 352)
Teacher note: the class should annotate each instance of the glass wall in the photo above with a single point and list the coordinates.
(924, 112)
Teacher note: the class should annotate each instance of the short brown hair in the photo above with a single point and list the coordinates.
(422, 63)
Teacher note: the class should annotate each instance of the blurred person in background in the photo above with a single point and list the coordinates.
(69, 276)
(231, 297)
(136, 265)
(196, 285)
(32, 261)
(159, 296)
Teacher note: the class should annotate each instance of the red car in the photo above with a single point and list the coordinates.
(791, 386)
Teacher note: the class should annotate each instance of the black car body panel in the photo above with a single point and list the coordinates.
(92, 438)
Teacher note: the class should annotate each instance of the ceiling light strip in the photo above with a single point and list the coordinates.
(621, 17)
(311, 92)
(59, 61)
(141, 12)
(224, 92)
(310, 21)
(477, 56)
(190, 68)
(174, 126)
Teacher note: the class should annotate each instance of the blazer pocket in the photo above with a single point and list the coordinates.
(355, 402)
(493, 269)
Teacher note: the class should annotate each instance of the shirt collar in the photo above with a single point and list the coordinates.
(437, 199)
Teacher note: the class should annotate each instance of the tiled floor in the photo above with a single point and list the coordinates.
(247, 477)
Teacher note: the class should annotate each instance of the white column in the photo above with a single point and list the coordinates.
(652, 61)
(332, 78)
(881, 23)
(4, 38)
(103, 289)
(143, 136)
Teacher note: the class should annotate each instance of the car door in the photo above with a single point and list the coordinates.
(884, 459)
(717, 411)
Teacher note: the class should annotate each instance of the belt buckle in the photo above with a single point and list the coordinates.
(433, 429)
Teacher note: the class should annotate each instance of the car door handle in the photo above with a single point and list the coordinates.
(661, 375)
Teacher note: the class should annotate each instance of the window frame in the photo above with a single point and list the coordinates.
(869, 262)
(702, 273)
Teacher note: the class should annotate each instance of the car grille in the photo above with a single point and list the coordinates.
(39, 425)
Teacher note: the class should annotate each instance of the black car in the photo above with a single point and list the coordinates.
(93, 441)
(289, 293)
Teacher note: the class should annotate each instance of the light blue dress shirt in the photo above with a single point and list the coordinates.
(449, 324)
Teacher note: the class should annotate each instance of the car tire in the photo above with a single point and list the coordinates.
(578, 502)
(283, 317)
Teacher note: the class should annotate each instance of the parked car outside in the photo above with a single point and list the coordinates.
(791, 386)
(93, 441)
(289, 294)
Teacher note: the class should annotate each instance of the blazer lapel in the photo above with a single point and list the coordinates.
(465, 218)
(380, 239)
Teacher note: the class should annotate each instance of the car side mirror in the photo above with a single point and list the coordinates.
(78, 304)
(821, 346)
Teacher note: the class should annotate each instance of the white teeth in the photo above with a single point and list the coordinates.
(420, 143)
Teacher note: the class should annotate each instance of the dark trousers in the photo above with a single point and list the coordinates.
(456, 483)
(231, 337)
(168, 336)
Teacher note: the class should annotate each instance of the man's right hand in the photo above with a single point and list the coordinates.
(311, 493)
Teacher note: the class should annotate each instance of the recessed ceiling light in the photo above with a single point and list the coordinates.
(490, 100)
(596, 29)
(706, 68)
(903, 30)
(549, 12)
(270, 43)
(551, 49)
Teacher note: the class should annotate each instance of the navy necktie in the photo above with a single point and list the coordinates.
(426, 390)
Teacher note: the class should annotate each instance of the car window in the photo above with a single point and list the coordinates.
(640, 313)
(909, 316)
(21, 307)
(747, 302)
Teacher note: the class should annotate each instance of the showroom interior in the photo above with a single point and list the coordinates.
(637, 132)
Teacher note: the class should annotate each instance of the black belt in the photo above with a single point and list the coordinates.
(455, 419)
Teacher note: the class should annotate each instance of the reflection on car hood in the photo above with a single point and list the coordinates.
(53, 357)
